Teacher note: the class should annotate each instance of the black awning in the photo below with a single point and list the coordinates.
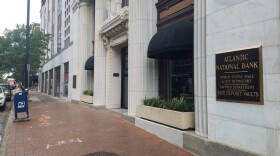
(89, 63)
(173, 42)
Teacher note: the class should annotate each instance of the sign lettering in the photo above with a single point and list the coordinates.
(239, 76)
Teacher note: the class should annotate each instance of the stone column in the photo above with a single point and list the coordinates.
(99, 56)
(200, 83)
(85, 49)
(108, 75)
(142, 71)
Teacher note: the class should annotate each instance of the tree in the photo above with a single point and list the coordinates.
(12, 51)
(1, 78)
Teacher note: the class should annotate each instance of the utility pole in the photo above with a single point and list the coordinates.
(27, 45)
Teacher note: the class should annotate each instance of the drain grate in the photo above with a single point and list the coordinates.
(102, 154)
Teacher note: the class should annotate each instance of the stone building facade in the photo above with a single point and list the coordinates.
(124, 73)
(71, 25)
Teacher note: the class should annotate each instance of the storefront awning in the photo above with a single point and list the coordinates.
(89, 63)
(173, 42)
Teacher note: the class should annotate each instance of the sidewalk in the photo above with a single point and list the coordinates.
(59, 128)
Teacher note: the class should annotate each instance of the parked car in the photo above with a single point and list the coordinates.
(2, 99)
(7, 91)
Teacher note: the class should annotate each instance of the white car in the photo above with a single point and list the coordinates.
(2, 99)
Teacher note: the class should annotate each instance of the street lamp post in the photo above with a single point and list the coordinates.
(27, 65)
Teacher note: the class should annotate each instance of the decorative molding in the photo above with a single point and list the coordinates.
(119, 39)
(108, 77)
(75, 5)
(116, 25)
(105, 41)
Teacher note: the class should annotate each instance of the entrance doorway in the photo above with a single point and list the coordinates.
(124, 78)
(57, 82)
(42, 82)
(51, 82)
(46, 82)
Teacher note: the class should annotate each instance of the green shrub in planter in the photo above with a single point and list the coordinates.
(88, 92)
(175, 104)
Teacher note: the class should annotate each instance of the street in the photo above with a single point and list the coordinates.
(59, 128)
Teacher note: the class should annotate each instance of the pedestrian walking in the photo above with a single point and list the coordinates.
(20, 88)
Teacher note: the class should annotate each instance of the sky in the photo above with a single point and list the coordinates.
(14, 12)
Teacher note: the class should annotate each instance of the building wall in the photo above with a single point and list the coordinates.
(230, 24)
(72, 51)
(238, 24)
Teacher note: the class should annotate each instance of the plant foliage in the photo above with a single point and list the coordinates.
(88, 92)
(13, 51)
(175, 104)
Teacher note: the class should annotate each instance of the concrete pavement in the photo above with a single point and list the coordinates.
(59, 128)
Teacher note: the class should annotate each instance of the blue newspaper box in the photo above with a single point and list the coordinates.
(21, 103)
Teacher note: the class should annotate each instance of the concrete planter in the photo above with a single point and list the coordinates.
(86, 98)
(180, 120)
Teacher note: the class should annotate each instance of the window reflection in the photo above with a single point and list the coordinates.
(181, 78)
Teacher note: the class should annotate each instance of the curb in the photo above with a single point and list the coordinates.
(4, 119)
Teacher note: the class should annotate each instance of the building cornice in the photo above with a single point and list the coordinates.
(116, 25)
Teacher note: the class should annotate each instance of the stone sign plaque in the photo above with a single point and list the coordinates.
(239, 76)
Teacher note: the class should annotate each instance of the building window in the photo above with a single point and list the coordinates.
(51, 82)
(74, 81)
(46, 82)
(182, 78)
(124, 3)
(176, 78)
(67, 24)
(57, 82)
(66, 79)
